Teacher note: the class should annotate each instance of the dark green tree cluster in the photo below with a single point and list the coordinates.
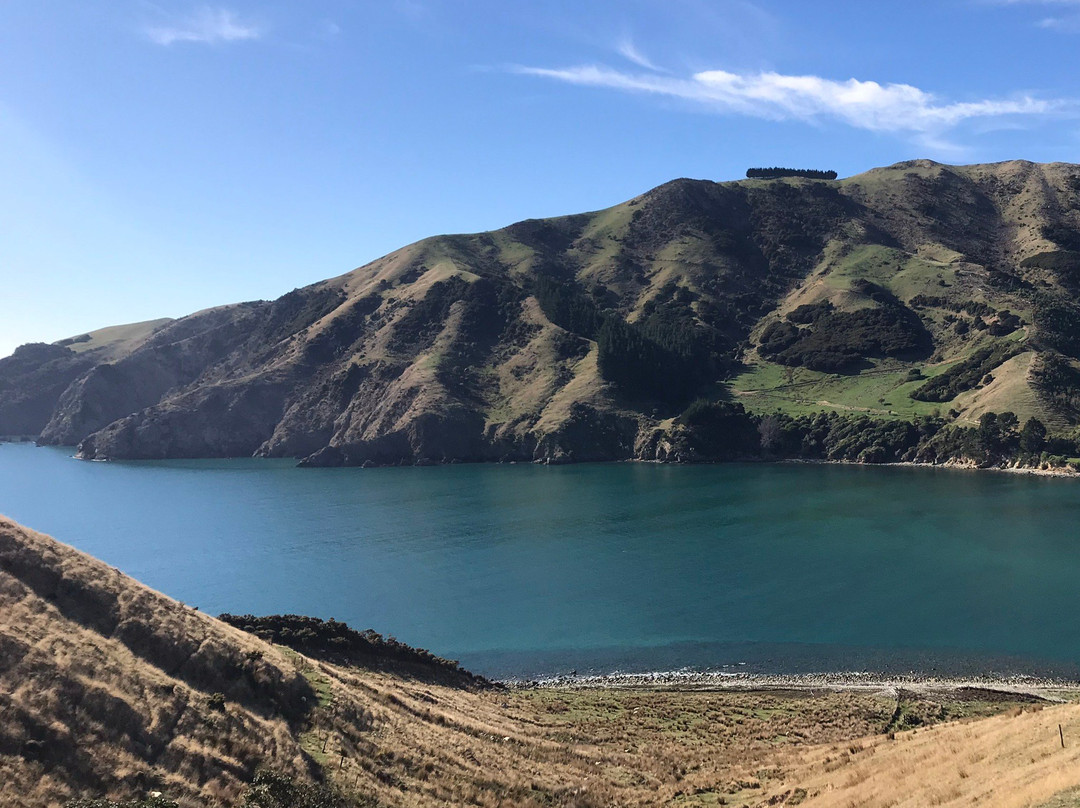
(998, 434)
(837, 341)
(567, 307)
(425, 318)
(1005, 321)
(997, 439)
(663, 359)
(722, 431)
(1056, 378)
(810, 312)
(642, 366)
(1057, 322)
(295, 310)
(830, 436)
(487, 309)
(1033, 437)
(1063, 235)
(777, 173)
(343, 331)
(1064, 263)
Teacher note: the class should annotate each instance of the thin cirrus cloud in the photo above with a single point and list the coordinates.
(1069, 23)
(890, 108)
(206, 26)
(629, 51)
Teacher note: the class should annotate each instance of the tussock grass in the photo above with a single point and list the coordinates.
(1013, 759)
(106, 686)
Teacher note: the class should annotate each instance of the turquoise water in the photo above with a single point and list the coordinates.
(523, 570)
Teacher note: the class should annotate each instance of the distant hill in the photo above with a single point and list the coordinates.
(580, 337)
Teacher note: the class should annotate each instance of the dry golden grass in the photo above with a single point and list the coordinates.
(106, 689)
(1011, 390)
(117, 339)
(428, 745)
(105, 686)
(1013, 759)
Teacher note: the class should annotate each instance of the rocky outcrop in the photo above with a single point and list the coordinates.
(31, 382)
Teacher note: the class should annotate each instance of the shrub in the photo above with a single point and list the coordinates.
(337, 642)
(142, 802)
(270, 789)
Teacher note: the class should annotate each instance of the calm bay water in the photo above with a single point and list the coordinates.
(527, 570)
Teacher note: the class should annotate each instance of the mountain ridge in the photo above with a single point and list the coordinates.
(578, 337)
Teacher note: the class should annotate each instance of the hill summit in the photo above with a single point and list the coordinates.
(916, 290)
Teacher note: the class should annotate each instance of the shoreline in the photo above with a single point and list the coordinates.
(950, 465)
(1041, 687)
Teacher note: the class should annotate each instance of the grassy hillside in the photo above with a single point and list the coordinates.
(576, 337)
(1014, 759)
(116, 340)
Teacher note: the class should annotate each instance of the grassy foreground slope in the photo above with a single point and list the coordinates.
(107, 686)
(110, 689)
(1014, 759)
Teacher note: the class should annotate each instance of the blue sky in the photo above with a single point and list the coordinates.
(161, 157)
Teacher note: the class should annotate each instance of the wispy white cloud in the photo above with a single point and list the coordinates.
(1068, 22)
(892, 108)
(328, 29)
(413, 9)
(628, 50)
(206, 25)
